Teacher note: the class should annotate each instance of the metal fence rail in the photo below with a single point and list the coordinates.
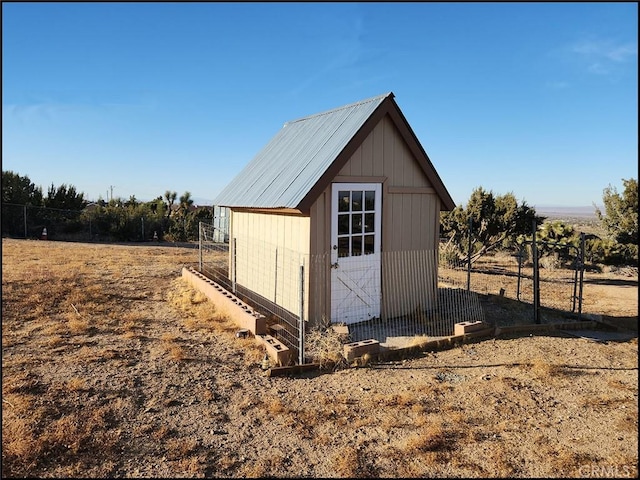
(28, 221)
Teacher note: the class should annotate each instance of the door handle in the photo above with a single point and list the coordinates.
(334, 265)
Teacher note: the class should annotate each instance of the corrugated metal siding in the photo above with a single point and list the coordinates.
(284, 171)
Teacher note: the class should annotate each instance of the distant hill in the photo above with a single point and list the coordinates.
(202, 202)
(568, 212)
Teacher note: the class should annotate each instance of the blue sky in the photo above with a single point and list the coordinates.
(537, 99)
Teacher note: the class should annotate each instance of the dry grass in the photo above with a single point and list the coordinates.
(325, 346)
(543, 369)
(113, 366)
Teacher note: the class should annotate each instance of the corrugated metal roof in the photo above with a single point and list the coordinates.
(284, 171)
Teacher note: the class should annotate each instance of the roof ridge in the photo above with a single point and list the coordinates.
(333, 110)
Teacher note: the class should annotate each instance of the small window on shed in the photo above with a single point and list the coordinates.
(220, 224)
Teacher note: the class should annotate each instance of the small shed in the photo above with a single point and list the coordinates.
(339, 193)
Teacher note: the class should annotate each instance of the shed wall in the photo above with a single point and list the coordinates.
(266, 253)
(410, 222)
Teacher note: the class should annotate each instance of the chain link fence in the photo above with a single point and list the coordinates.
(27, 221)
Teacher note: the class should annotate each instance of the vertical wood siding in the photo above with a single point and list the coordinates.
(410, 222)
(269, 251)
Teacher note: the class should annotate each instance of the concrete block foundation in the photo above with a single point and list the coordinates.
(357, 349)
(278, 352)
(464, 328)
(242, 314)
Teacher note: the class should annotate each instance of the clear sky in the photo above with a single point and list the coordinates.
(537, 99)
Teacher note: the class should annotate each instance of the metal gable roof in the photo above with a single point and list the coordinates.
(284, 171)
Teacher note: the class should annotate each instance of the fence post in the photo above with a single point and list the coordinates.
(200, 245)
(536, 276)
(142, 220)
(301, 320)
(576, 265)
(25, 221)
(582, 242)
(520, 257)
(235, 275)
(469, 256)
(275, 280)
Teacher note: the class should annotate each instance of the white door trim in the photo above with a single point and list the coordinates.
(355, 252)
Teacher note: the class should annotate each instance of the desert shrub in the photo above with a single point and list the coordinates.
(609, 252)
(450, 256)
(551, 261)
(325, 346)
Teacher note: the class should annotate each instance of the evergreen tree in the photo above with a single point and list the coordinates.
(621, 212)
(496, 222)
(20, 190)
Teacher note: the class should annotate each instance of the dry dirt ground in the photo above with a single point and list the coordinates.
(113, 367)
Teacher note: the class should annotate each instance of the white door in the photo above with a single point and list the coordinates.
(355, 251)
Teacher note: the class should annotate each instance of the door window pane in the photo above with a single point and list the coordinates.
(343, 201)
(343, 247)
(369, 246)
(356, 223)
(356, 201)
(369, 219)
(369, 200)
(356, 246)
(343, 224)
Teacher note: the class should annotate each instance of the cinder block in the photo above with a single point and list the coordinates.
(464, 328)
(277, 351)
(277, 330)
(485, 332)
(242, 314)
(357, 349)
(342, 331)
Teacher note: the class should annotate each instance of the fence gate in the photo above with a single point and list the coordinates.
(552, 280)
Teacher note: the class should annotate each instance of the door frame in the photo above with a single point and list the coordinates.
(377, 240)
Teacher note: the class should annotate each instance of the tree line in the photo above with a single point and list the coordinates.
(487, 223)
(490, 222)
(67, 214)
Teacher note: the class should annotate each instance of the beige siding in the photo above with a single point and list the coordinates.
(271, 247)
(319, 268)
(409, 282)
(410, 222)
(384, 153)
(269, 250)
(411, 208)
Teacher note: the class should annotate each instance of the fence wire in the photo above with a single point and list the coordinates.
(28, 221)
(268, 277)
(498, 288)
(505, 283)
